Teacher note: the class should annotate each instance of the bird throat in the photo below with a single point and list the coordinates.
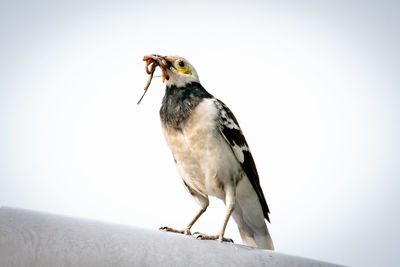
(179, 102)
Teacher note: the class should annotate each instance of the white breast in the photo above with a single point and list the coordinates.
(204, 159)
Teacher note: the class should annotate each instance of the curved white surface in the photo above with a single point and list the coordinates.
(30, 238)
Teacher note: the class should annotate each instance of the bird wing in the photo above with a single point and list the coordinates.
(230, 130)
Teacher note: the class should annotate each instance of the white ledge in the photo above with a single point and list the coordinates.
(29, 238)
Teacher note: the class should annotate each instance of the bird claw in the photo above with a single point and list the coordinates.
(220, 238)
(172, 230)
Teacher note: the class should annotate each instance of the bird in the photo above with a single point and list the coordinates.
(212, 156)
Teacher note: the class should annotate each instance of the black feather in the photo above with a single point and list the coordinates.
(179, 102)
(230, 129)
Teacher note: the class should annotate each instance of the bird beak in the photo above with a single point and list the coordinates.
(169, 63)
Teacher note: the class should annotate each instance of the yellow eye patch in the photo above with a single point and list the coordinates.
(185, 69)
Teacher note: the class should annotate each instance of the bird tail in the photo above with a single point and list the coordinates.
(258, 241)
(249, 217)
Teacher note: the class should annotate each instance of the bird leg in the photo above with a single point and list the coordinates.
(185, 231)
(230, 196)
(204, 202)
(172, 230)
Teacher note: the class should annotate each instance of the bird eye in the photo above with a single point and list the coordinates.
(181, 64)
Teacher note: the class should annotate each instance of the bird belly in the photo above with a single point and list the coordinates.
(204, 159)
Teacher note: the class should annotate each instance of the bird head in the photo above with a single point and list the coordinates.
(180, 72)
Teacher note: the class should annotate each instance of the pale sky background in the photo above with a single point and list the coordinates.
(314, 85)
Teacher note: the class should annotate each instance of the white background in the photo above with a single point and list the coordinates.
(314, 85)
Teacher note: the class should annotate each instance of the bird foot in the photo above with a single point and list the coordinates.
(172, 230)
(220, 238)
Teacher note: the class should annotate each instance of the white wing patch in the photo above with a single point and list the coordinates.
(226, 119)
(238, 150)
(231, 131)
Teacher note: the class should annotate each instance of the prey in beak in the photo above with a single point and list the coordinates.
(176, 71)
(152, 61)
